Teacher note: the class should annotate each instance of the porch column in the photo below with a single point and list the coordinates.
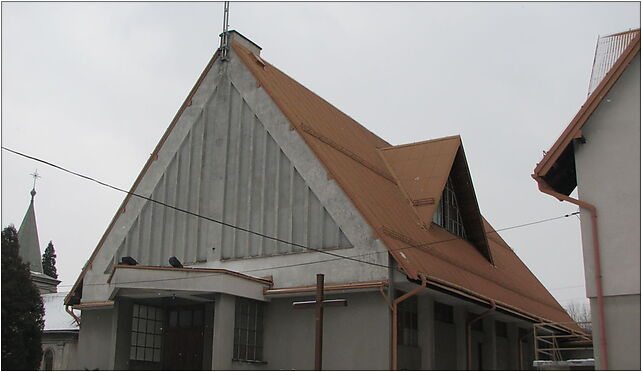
(123, 319)
(489, 348)
(460, 333)
(513, 349)
(426, 327)
(223, 332)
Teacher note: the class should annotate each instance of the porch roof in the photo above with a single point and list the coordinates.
(194, 280)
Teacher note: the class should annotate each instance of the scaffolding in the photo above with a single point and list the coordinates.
(556, 349)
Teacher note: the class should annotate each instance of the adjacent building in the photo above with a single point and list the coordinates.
(599, 154)
(257, 185)
(60, 333)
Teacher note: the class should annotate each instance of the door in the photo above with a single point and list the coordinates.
(183, 339)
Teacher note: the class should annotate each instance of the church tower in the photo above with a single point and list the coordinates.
(30, 248)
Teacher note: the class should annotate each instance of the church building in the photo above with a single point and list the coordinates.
(60, 332)
(257, 185)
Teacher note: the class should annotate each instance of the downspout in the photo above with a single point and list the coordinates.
(396, 302)
(546, 189)
(71, 312)
(469, 336)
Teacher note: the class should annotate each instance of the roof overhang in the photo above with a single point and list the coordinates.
(148, 280)
(557, 168)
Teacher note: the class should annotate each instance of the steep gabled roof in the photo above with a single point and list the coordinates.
(557, 167)
(351, 155)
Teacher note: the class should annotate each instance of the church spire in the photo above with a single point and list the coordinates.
(28, 234)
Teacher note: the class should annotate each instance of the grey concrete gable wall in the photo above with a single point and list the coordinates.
(232, 156)
(229, 168)
(339, 207)
(608, 176)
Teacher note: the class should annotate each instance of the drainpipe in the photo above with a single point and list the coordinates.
(469, 336)
(546, 189)
(70, 312)
(394, 317)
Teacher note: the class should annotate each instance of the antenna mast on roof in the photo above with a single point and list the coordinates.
(225, 35)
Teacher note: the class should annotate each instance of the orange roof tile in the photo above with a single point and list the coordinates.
(351, 155)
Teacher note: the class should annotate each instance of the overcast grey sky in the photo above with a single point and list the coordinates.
(93, 86)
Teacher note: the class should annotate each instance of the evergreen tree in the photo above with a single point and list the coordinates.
(49, 261)
(22, 309)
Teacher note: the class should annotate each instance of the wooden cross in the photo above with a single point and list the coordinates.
(318, 304)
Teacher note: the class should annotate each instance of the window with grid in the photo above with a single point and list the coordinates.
(146, 334)
(248, 330)
(407, 321)
(447, 214)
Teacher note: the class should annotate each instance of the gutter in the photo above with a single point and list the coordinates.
(469, 336)
(395, 303)
(546, 189)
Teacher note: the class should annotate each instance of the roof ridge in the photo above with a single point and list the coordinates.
(418, 143)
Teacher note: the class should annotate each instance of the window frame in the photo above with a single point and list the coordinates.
(248, 330)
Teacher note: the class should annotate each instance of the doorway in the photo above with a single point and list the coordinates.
(183, 338)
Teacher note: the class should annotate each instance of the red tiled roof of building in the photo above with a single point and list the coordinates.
(352, 155)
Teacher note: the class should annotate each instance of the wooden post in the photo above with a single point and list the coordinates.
(319, 303)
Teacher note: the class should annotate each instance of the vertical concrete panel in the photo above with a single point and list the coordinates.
(170, 178)
(208, 336)
(269, 197)
(426, 326)
(218, 142)
(489, 348)
(95, 340)
(195, 150)
(259, 141)
(223, 332)
(184, 179)
(244, 195)
(145, 248)
(512, 347)
(284, 208)
(157, 214)
(123, 334)
(460, 337)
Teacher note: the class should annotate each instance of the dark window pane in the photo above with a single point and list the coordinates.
(198, 318)
(185, 319)
(173, 318)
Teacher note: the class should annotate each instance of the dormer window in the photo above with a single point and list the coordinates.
(447, 214)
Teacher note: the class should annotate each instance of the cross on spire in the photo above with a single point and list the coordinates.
(318, 304)
(35, 176)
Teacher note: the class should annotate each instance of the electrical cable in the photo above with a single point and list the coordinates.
(337, 256)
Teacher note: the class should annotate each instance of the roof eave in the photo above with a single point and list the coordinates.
(573, 130)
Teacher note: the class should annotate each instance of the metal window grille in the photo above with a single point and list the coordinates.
(407, 322)
(146, 334)
(447, 214)
(248, 330)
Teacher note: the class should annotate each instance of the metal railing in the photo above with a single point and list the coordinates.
(552, 344)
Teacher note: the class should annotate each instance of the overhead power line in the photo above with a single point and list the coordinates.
(337, 256)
